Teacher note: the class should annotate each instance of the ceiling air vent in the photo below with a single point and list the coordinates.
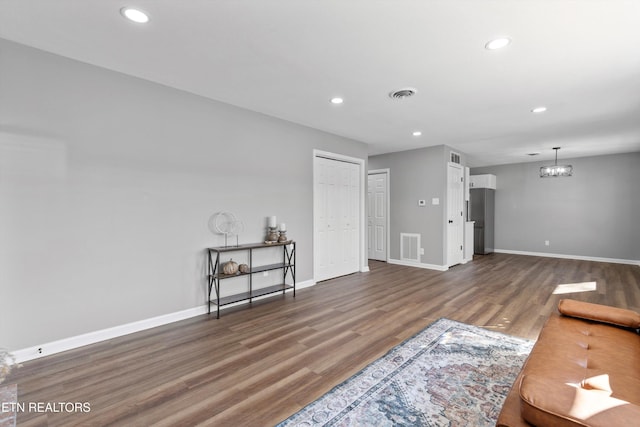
(454, 157)
(402, 93)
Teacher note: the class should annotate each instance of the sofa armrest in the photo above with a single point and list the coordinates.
(600, 313)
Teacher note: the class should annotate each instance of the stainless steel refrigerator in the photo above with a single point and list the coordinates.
(482, 203)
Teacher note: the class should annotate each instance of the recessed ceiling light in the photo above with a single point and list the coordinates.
(539, 110)
(134, 15)
(337, 100)
(417, 133)
(533, 154)
(497, 43)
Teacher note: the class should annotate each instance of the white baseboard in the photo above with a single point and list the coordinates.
(419, 265)
(71, 343)
(305, 284)
(578, 257)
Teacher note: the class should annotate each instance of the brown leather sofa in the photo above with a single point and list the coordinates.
(584, 370)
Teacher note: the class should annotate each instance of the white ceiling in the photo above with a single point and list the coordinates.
(287, 58)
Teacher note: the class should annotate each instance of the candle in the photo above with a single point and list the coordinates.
(283, 227)
(272, 222)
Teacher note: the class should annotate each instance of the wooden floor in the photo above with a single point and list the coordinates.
(258, 365)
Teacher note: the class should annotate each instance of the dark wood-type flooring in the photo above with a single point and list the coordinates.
(256, 366)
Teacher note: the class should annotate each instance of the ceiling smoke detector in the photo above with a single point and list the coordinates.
(402, 93)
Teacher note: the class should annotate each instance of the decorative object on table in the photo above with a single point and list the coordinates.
(272, 230)
(8, 392)
(227, 224)
(230, 267)
(7, 363)
(448, 374)
(283, 233)
(244, 268)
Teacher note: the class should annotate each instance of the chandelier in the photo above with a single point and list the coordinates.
(556, 170)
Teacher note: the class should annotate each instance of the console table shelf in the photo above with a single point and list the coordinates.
(253, 294)
(215, 274)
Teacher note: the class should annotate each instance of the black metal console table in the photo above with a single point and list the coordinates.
(216, 274)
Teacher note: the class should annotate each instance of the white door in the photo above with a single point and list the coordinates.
(455, 218)
(377, 216)
(337, 218)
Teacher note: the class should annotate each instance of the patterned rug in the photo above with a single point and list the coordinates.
(450, 374)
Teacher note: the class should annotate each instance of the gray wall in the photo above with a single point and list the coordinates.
(107, 183)
(417, 174)
(594, 213)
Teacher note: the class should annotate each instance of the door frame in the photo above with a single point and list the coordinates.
(386, 172)
(362, 247)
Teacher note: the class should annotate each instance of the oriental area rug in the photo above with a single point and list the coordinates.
(450, 374)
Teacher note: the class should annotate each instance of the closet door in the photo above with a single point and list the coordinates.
(336, 218)
(377, 216)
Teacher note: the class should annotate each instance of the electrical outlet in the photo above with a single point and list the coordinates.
(546, 243)
(421, 251)
(265, 273)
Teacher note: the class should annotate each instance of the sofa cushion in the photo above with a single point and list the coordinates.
(581, 373)
(600, 313)
(548, 402)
